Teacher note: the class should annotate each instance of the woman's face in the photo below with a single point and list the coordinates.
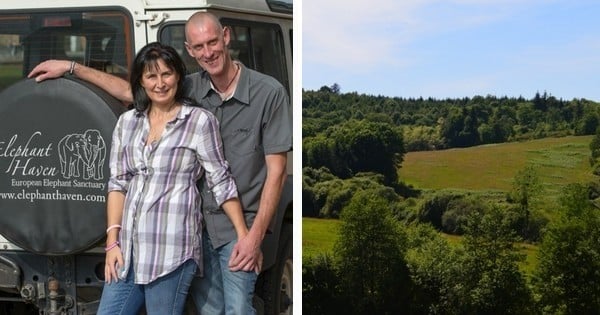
(160, 83)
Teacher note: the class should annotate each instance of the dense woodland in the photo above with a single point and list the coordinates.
(391, 258)
(429, 124)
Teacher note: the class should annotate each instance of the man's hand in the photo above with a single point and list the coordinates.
(50, 69)
(246, 255)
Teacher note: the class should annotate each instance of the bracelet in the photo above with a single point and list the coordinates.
(72, 68)
(114, 226)
(111, 246)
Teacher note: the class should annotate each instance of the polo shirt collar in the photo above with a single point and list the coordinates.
(242, 90)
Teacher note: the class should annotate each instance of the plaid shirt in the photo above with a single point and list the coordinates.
(161, 222)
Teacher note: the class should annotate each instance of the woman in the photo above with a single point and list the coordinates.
(159, 150)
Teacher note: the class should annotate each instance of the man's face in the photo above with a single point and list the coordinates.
(208, 46)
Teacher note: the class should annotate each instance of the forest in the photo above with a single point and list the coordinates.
(394, 256)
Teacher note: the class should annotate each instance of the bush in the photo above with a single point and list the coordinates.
(321, 286)
(457, 212)
(433, 208)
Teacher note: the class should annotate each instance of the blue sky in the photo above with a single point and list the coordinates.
(453, 48)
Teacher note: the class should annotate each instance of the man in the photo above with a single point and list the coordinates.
(255, 119)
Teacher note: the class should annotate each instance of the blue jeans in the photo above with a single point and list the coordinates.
(165, 295)
(221, 291)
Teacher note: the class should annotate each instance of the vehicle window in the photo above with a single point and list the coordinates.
(99, 39)
(257, 45)
(173, 34)
(284, 6)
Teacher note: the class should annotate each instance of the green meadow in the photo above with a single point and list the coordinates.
(488, 168)
(559, 161)
(318, 236)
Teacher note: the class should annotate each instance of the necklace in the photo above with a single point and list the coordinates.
(237, 69)
(159, 121)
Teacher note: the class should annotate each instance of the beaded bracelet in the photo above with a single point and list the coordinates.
(72, 68)
(111, 246)
(114, 226)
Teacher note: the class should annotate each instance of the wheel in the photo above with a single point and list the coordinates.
(275, 285)
(54, 151)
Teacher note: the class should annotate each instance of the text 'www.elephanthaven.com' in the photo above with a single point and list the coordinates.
(32, 196)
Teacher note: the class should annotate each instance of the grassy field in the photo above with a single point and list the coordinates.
(492, 167)
(318, 236)
(559, 161)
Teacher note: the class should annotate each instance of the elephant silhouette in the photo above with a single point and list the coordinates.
(97, 153)
(82, 155)
(73, 154)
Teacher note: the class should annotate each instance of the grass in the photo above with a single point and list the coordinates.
(559, 161)
(318, 236)
(531, 258)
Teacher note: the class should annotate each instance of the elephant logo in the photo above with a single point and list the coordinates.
(82, 155)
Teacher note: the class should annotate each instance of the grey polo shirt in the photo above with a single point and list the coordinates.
(255, 122)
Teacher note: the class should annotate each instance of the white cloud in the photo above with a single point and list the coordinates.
(341, 34)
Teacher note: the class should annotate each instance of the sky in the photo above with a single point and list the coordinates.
(453, 48)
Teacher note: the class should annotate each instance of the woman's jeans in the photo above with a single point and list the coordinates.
(163, 296)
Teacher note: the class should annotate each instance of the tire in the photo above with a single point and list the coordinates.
(54, 150)
(275, 286)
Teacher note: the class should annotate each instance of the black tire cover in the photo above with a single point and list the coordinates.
(54, 150)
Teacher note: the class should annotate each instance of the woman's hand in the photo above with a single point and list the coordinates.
(114, 261)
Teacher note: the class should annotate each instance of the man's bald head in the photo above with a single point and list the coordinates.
(203, 21)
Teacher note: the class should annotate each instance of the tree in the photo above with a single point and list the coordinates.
(319, 151)
(370, 253)
(321, 287)
(432, 209)
(434, 266)
(595, 148)
(490, 281)
(325, 195)
(478, 276)
(567, 280)
(312, 198)
(528, 116)
(450, 128)
(526, 186)
(335, 88)
(588, 125)
(367, 146)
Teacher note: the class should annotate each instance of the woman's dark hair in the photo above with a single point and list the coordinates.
(148, 56)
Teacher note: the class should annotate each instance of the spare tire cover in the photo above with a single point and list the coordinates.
(54, 152)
